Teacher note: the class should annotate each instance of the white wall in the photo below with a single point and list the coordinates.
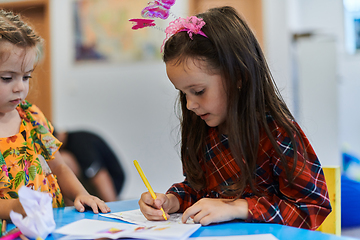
(296, 81)
(326, 17)
(317, 85)
(317, 74)
(277, 46)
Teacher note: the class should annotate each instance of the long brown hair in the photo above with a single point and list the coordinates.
(232, 50)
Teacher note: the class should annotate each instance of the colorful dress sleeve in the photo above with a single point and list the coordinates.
(42, 130)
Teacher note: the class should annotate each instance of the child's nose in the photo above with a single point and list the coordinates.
(191, 105)
(20, 86)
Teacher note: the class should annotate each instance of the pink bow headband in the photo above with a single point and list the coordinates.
(190, 25)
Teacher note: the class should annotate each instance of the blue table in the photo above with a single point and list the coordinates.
(67, 215)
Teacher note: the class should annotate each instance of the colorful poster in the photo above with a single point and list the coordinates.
(103, 32)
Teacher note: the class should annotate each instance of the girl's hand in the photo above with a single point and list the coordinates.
(17, 207)
(83, 200)
(213, 210)
(151, 208)
(10, 204)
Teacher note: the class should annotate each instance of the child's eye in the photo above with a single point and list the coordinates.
(25, 78)
(199, 92)
(6, 79)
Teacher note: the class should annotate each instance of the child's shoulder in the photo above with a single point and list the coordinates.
(271, 122)
(279, 132)
(275, 127)
(29, 108)
(32, 113)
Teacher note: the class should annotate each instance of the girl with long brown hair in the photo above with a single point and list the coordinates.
(243, 154)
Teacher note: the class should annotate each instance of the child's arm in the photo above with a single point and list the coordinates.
(10, 204)
(73, 189)
(151, 208)
(214, 210)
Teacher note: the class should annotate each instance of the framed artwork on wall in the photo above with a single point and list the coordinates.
(103, 32)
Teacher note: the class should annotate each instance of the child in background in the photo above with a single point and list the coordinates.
(243, 154)
(93, 162)
(27, 146)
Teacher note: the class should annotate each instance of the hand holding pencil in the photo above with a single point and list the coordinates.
(147, 184)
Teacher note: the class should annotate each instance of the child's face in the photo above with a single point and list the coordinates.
(16, 66)
(204, 90)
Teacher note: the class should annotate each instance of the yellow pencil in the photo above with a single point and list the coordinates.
(147, 184)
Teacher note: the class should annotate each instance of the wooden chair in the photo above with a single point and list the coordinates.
(332, 223)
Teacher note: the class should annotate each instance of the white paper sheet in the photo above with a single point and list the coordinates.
(39, 220)
(136, 216)
(93, 229)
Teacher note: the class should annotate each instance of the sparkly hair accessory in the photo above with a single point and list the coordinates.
(141, 23)
(190, 25)
(161, 9)
(155, 9)
(158, 9)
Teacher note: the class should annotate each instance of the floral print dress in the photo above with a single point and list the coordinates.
(24, 156)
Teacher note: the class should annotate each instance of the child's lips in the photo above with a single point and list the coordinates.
(204, 116)
(16, 101)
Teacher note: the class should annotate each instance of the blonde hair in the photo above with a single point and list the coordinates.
(14, 30)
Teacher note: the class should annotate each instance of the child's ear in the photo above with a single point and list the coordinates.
(239, 84)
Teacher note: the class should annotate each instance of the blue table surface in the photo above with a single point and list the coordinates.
(67, 215)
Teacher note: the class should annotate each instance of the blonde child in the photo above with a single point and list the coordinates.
(244, 156)
(27, 146)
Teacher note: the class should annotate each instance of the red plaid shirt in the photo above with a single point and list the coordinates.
(305, 204)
